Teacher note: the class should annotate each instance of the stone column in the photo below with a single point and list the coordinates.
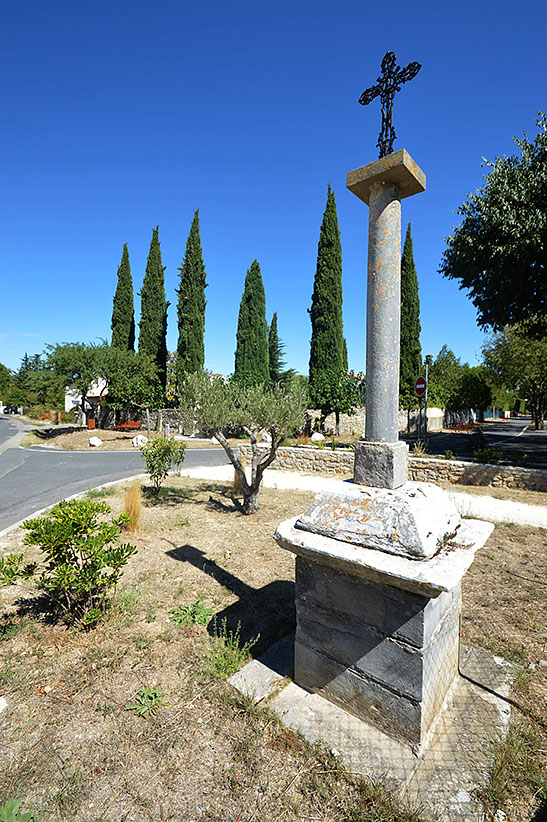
(381, 461)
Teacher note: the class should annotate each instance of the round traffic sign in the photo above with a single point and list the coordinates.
(419, 386)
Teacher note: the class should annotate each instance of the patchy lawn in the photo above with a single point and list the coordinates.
(74, 746)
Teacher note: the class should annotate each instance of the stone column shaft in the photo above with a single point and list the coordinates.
(383, 313)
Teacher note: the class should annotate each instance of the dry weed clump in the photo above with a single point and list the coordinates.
(133, 506)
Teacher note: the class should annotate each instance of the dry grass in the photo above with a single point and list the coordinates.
(133, 506)
(70, 747)
(112, 440)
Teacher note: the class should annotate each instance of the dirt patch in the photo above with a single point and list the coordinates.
(72, 745)
(112, 440)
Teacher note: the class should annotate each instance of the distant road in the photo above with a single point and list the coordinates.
(513, 438)
(32, 479)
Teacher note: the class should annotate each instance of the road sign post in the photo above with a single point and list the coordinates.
(420, 388)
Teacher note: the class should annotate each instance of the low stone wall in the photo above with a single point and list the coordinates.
(354, 425)
(420, 469)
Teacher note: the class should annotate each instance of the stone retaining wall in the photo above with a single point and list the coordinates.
(421, 469)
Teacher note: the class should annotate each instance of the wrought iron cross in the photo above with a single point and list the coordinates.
(389, 82)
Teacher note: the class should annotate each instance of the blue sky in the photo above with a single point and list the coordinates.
(120, 116)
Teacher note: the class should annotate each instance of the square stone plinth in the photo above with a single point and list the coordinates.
(377, 633)
(381, 464)
(398, 168)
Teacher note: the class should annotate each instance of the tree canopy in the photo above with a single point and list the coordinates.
(123, 315)
(411, 351)
(499, 252)
(215, 404)
(153, 324)
(191, 305)
(520, 363)
(252, 365)
(327, 349)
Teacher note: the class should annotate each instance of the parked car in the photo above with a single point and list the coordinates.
(11, 409)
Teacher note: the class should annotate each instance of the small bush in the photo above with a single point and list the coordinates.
(490, 456)
(132, 506)
(188, 615)
(448, 455)
(148, 701)
(228, 655)
(83, 561)
(160, 455)
(420, 449)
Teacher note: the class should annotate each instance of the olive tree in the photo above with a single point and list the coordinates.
(215, 405)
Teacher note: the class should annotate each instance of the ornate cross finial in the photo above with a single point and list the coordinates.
(388, 83)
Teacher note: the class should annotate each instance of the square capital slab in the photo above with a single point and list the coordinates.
(398, 168)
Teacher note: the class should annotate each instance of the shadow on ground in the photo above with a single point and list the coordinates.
(267, 613)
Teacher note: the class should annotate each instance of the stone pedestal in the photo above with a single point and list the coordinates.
(378, 632)
(381, 185)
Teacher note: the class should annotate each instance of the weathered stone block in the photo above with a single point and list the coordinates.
(382, 465)
(413, 521)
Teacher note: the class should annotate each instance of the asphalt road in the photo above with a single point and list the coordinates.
(34, 478)
(514, 438)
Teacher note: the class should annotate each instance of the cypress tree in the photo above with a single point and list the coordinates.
(191, 305)
(327, 350)
(153, 324)
(123, 315)
(411, 352)
(275, 348)
(252, 356)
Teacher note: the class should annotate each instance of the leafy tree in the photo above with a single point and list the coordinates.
(132, 382)
(411, 352)
(153, 324)
(499, 252)
(191, 304)
(123, 315)
(160, 455)
(474, 389)
(445, 373)
(252, 356)
(275, 348)
(78, 365)
(5, 380)
(215, 405)
(337, 392)
(328, 354)
(520, 363)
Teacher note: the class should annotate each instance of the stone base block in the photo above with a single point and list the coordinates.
(382, 465)
(387, 655)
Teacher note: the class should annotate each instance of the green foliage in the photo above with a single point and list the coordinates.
(5, 380)
(12, 569)
(252, 354)
(487, 456)
(77, 364)
(499, 252)
(153, 323)
(448, 455)
(123, 315)
(456, 386)
(83, 560)
(336, 392)
(327, 337)
(228, 655)
(191, 305)
(148, 701)
(214, 405)
(275, 348)
(194, 614)
(160, 455)
(411, 352)
(11, 812)
(519, 361)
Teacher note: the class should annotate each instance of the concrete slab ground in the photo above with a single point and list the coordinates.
(443, 781)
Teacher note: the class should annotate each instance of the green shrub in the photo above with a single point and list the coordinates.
(160, 455)
(83, 560)
(194, 614)
(448, 455)
(11, 812)
(490, 456)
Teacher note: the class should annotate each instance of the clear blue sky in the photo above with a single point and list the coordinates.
(119, 116)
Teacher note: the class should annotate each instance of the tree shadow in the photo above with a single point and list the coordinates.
(267, 613)
(171, 496)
